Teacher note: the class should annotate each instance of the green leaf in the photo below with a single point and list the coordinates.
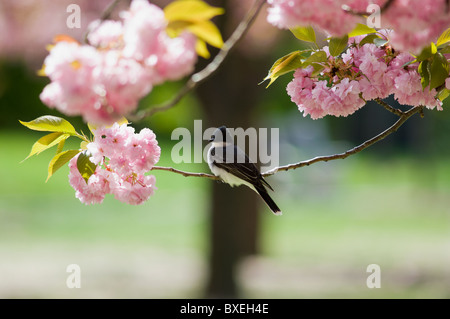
(202, 49)
(444, 37)
(361, 29)
(443, 94)
(47, 142)
(304, 33)
(337, 45)
(59, 160)
(444, 49)
(83, 145)
(427, 52)
(439, 70)
(85, 166)
(424, 73)
(283, 65)
(379, 42)
(50, 123)
(208, 32)
(190, 10)
(410, 62)
(60, 146)
(369, 39)
(175, 28)
(203, 29)
(92, 127)
(315, 60)
(194, 16)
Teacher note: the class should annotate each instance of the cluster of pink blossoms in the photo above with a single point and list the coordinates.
(122, 158)
(416, 22)
(360, 74)
(325, 14)
(105, 80)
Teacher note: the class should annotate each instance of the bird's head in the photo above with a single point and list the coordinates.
(221, 135)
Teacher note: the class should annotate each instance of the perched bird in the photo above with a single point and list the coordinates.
(227, 161)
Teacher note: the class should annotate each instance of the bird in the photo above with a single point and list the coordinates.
(232, 165)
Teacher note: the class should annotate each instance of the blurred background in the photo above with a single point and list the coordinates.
(388, 205)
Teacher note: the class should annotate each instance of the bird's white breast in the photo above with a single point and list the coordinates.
(224, 175)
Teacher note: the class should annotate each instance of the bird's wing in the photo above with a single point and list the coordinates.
(240, 166)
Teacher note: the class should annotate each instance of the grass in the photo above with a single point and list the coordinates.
(395, 214)
(339, 217)
(50, 210)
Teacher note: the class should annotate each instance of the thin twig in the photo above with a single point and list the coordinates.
(383, 8)
(105, 15)
(109, 10)
(202, 75)
(185, 174)
(403, 118)
(388, 107)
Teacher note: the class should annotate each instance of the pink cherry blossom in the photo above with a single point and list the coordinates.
(94, 190)
(362, 73)
(175, 57)
(121, 82)
(143, 24)
(325, 14)
(416, 22)
(101, 86)
(70, 67)
(105, 34)
(122, 158)
(408, 90)
(135, 192)
(28, 26)
(119, 143)
(346, 97)
(105, 80)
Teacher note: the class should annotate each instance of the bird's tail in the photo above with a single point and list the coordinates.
(269, 201)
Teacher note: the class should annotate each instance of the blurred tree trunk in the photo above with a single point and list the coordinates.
(229, 98)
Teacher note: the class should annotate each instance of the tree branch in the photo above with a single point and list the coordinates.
(105, 15)
(388, 107)
(202, 75)
(403, 118)
(185, 174)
